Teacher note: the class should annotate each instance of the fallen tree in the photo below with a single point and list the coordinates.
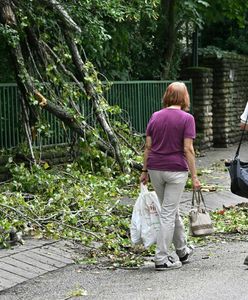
(39, 59)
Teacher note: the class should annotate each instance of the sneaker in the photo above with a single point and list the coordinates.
(246, 261)
(169, 265)
(185, 259)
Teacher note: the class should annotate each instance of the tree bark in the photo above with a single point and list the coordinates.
(27, 129)
(95, 100)
(168, 30)
(63, 15)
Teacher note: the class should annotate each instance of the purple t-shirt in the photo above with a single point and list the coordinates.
(167, 129)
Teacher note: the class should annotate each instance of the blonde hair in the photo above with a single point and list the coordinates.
(176, 94)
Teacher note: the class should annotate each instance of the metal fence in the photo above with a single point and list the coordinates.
(137, 99)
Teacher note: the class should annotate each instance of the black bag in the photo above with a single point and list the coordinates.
(238, 171)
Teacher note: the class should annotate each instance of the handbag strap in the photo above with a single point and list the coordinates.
(241, 138)
(198, 198)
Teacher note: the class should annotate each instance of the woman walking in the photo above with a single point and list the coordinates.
(168, 156)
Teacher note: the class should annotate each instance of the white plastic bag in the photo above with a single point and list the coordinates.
(145, 222)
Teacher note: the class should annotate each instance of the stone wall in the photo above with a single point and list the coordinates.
(229, 94)
(202, 102)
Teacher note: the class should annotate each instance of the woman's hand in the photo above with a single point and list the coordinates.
(196, 183)
(144, 177)
(244, 126)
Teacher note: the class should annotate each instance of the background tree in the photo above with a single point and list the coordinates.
(226, 26)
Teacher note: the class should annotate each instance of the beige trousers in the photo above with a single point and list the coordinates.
(169, 187)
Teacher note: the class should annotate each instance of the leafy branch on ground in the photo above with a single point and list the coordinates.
(91, 209)
(70, 204)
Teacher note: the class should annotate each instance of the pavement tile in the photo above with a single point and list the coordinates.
(39, 257)
(16, 270)
(11, 276)
(28, 244)
(50, 254)
(32, 261)
(5, 284)
(23, 266)
(58, 251)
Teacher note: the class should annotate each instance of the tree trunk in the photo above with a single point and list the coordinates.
(101, 116)
(167, 30)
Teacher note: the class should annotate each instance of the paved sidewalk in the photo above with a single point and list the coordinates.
(34, 258)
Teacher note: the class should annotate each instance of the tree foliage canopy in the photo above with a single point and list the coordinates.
(128, 40)
(226, 26)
